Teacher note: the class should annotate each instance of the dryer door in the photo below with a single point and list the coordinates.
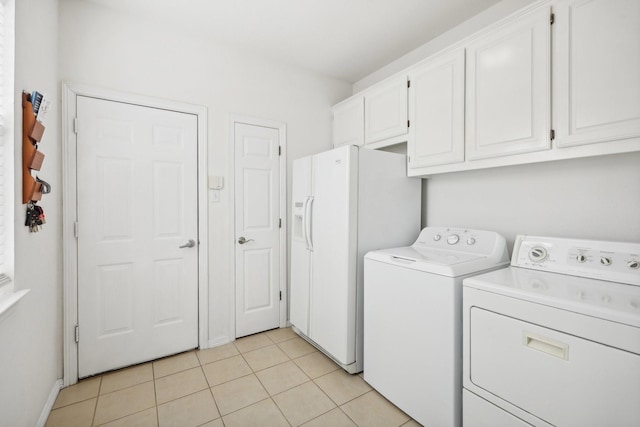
(562, 379)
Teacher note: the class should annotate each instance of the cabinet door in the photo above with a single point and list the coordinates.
(386, 111)
(436, 111)
(596, 71)
(508, 88)
(348, 122)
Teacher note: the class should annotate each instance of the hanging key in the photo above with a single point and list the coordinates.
(41, 217)
(29, 214)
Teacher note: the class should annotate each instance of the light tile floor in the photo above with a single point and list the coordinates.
(270, 379)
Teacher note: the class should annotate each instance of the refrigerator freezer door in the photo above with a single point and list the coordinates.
(332, 315)
(300, 255)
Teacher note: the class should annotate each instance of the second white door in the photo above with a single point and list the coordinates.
(257, 228)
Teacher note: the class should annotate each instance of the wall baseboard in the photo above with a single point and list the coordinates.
(221, 340)
(49, 403)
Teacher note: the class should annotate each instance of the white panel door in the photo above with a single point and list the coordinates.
(257, 228)
(137, 204)
(300, 245)
(597, 71)
(332, 316)
(436, 108)
(385, 109)
(348, 122)
(508, 89)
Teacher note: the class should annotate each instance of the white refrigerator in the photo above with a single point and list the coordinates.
(346, 202)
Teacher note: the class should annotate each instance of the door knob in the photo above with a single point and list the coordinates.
(191, 243)
(242, 240)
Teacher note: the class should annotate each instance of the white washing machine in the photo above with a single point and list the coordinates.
(554, 340)
(413, 318)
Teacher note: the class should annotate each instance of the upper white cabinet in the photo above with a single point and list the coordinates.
(508, 88)
(385, 108)
(436, 111)
(348, 122)
(596, 71)
(559, 79)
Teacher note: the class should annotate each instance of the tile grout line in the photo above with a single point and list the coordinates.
(95, 408)
(310, 380)
(281, 411)
(328, 397)
(155, 393)
(215, 404)
(258, 378)
(270, 396)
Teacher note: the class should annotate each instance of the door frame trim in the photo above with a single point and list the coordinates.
(70, 92)
(282, 131)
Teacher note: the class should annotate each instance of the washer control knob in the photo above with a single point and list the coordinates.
(437, 237)
(581, 258)
(453, 239)
(634, 265)
(538, 254)
(606, 261)
(471, 241)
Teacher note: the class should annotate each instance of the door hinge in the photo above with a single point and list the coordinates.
(280, 295)
(75, 229)
(77, 332)
(280, 223)
(279, 150)
(408, 83)
(552, 134)
(75, 125)
(408, 123)
(552, 19)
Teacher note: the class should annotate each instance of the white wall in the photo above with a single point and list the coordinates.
(30, 338)
(590, 198)
(105, 49)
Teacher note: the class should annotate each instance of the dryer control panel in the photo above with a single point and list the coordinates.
(612, 261)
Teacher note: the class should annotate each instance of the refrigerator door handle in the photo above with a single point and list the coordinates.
(304, 222)
(307, 222)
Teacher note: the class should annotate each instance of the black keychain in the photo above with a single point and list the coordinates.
(35, 217)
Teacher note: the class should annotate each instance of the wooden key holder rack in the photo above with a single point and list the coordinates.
(32, 131)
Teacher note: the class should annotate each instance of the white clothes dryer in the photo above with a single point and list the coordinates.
(554, 340)
(413, 318)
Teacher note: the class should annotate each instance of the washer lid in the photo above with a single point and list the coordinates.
(449, 252)
(613, 301)
(430, 255)
(436, 261)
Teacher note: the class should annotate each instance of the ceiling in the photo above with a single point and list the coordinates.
(343, 39)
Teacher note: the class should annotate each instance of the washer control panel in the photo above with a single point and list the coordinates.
(613, 261)
(480, 242)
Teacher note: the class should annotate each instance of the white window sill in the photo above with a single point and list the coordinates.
(9, 300)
